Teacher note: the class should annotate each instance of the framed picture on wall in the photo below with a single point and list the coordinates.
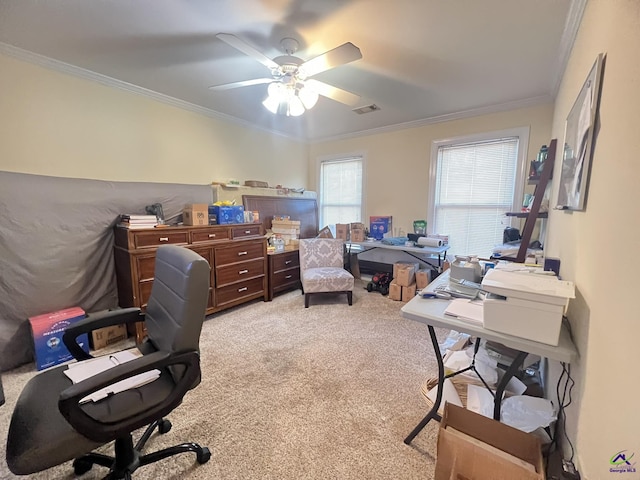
(579, 139)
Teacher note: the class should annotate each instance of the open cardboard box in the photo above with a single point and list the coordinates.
(474, 447)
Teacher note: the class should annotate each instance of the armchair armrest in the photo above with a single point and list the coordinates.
(102, 431)
(94, 321)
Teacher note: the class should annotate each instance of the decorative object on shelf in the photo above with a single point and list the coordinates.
(579, 141)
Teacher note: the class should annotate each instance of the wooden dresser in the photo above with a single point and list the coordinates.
(236, 253)
(284, 272)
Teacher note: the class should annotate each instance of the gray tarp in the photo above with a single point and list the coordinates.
(56, 246)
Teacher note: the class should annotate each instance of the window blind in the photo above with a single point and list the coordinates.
(475, 184)
(341, 191)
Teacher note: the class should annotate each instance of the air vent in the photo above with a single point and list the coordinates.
(366, 109)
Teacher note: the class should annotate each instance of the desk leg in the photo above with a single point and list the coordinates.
(433, 413)
(508, 374)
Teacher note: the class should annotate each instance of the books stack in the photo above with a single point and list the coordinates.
(138, 221)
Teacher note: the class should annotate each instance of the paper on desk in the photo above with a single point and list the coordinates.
(468, 310)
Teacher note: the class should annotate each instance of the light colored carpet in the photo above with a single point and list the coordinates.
(327, 392)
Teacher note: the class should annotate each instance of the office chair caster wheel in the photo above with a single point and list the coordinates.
(81, 466)
(204, 455)
(164, 426)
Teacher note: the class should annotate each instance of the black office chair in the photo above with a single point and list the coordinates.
(50, 426)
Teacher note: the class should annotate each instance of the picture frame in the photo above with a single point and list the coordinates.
(579, 140)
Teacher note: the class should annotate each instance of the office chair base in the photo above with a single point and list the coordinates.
(128, 458)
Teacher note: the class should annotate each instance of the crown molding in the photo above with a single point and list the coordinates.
(107, 81)
(502, 107)
(73, 70)
(571, 27)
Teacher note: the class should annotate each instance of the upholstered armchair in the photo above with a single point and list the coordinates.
(322, 268)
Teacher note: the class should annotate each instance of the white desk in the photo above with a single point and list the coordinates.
(359, 247)
(431, 312)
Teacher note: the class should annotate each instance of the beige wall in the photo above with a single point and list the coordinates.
(599, 246)
(55, 124)
(61, 125)
(397, 163)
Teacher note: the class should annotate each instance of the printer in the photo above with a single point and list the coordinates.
(525, 305)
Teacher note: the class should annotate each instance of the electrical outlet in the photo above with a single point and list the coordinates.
(569, 470)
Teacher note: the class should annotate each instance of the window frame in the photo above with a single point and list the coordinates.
(521, 169)
(337, 158)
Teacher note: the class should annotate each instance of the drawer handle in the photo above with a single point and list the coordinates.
(287, 262)
(212, 235)
(242, 253)
(243, 289)
(247, 232)
(164, 239)
(241, 272)
(288, 277)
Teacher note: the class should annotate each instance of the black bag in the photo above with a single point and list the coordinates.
(510, 235)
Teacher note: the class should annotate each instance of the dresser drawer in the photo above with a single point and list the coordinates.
(239, 271)
(247, 230)
(146, 265)
(155, 239)
(145, 293)
(285, 260)
(209, 234)
(285, 277)
(238, 291)
(239, 252)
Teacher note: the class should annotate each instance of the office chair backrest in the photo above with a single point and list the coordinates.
(176, 307)
(321, 252)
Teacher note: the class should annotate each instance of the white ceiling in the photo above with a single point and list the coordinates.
(423, 60)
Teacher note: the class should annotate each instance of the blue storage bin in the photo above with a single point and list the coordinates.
(231, 214)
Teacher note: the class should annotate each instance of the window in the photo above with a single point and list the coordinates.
(474, 182)
(340, 190)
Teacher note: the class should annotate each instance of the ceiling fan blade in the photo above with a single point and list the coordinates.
(247, 49)
(345, 53)
(333, 93)
(245, 83)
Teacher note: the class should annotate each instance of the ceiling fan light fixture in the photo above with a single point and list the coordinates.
(308, 96)
(271, 104)
(289, 99)
(296, 107)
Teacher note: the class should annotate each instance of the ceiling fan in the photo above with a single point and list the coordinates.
(291, 89)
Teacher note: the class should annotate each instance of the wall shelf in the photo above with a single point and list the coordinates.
(526, 214)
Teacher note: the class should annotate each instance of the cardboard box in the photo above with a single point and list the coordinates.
(103, 337)
(408, 292)
(357, 234)
(379, 226)
(47, 330)
(342, 231)
(471, 446)
(422, 278)
(395, 291)
(229, 214)
(405, 273)
(325, 233)
(195, 214)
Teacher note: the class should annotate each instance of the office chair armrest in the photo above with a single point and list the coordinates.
(103, 431)
(92, 322)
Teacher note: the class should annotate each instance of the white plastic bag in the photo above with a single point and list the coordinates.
(527, 413)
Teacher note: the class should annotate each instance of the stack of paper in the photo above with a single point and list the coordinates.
(467, 310)
(80, 371)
